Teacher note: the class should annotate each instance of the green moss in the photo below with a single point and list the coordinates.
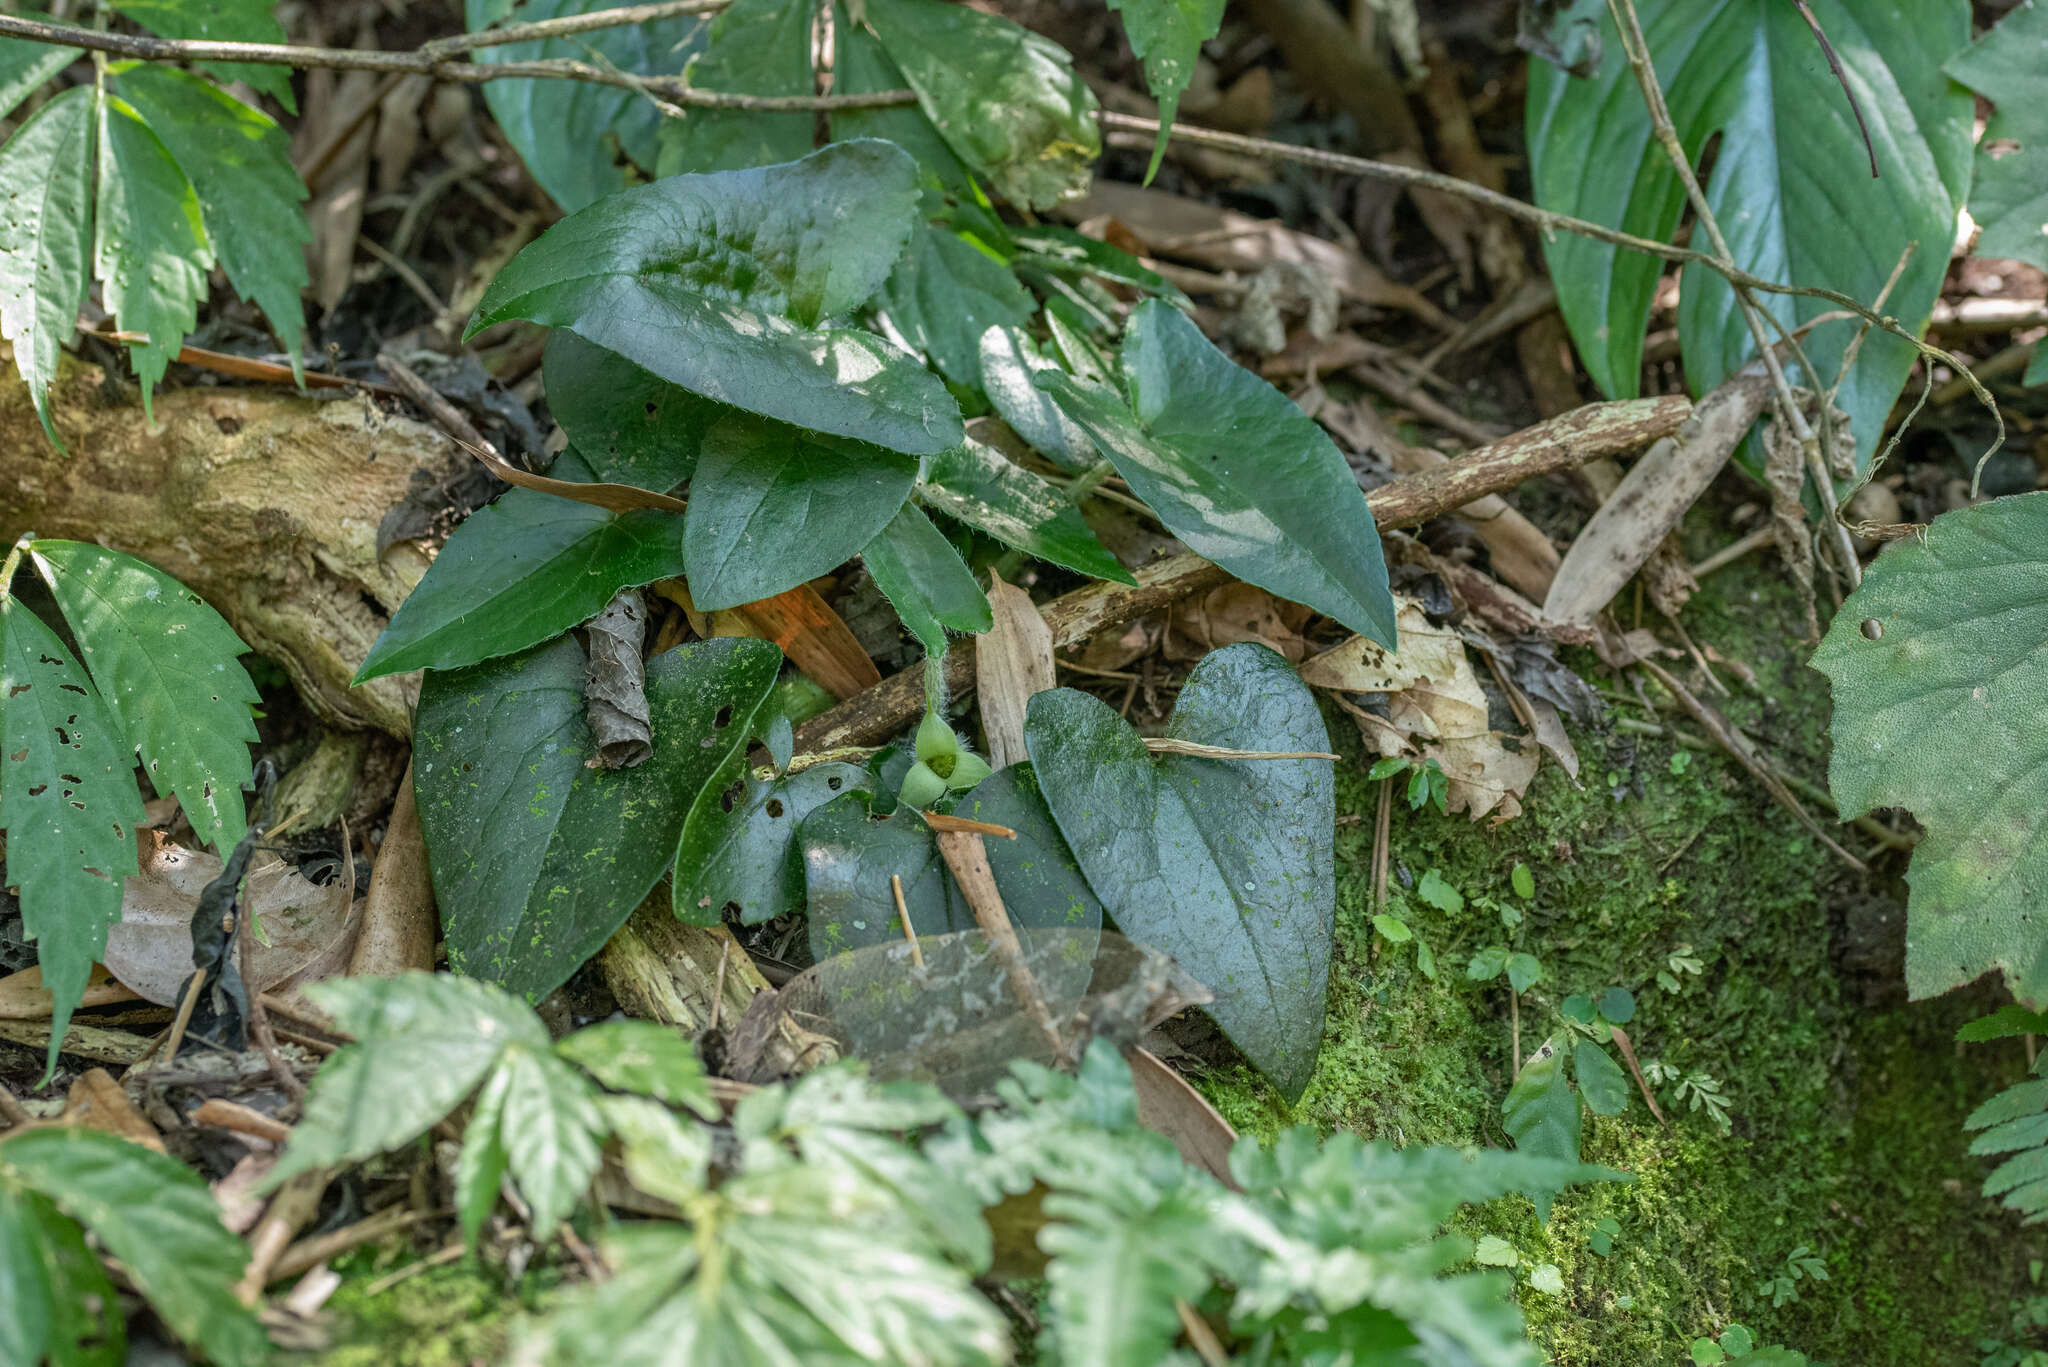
(449, 1316)
(1847, 1122)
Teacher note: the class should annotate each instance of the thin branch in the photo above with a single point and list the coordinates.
(567, 25)
(1841, 78)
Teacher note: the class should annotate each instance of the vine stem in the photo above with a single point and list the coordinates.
(13, 563)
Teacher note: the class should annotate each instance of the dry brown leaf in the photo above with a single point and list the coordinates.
(97, 1102)
(24, 998)
(1168, 1105)
(1428, 651)
(1233, 613)
(1012, 661)
(398, 921)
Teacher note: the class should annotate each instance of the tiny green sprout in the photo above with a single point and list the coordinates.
(1428, 784)
(1601, 1238)
(1681, 760)
(1434, 890)
(1523, 882)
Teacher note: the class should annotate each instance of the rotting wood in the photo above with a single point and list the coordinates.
(1588, 433)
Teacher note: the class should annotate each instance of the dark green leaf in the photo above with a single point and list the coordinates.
(848, 861)
(738, 854)
(536, 858)
(926, 581)
(632, 427)
(946, 292)
(1791, 171)
(1618, 1005)
(1010, 361)
(2010, 193)
(861, 67)
(159, 1219)
(757, 47)
(1168, 35)
(1224, 864)
(1487, 964)
(68, 803)
(988, 491)
(164, 663)
(521, 571)
(1075, 256)
(1006, 100)
(1541, 1114)
(1578, 1008)
(569, 132)
(59, 1301)
(221, 21)
(46, 237)
(150, 252)
(1600, 1079)
(1237, 471)
(1941, 714)
(250, 195)
(1523, 972)
(718, 283)
(2004, 1023)
(644, 1058)
(773, 506)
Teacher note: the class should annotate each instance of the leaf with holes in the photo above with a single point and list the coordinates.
(1168, 35)
(46, 237)
(165, 665)
(722, 283)
(1236, 470)
(773, 506)
(2009, 194)
(537, 859)
(68, 803)
(566, 131)
(1227, 865)
(756, 47)
(988, 491)
(738, 854)
(1790, 172)
(221, 21)
(1940, 670)
(946, 292)
(926, 581)
(522, 571)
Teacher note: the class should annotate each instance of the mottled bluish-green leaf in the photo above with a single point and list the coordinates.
(738, 853)
(46, 207)
(946, 292)
(1010, 364)
(756, 47)
(990, 492)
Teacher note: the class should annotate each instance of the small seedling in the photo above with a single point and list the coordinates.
(1546, 1278)
(1428, 784)
(1679, 961)
(1494, 1251)
(1801, 1264)
(1602, 1236)
(1735, 1342)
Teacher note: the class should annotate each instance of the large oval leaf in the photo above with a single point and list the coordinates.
(1236, 471)
(720, 283)
(1941, 713)
(945, 293)
(1227, 865)
(537, 859)
(1791, 185)
(756, 47)
(632, 427)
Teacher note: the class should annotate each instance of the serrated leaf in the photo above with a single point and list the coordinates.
(551, 1131)
(773, 506)
(1941, 715)
(1227, 865)
(250, 195)
(61, 1307)
(926, 581)
(46, 237)
(1115, 1275)
(1541, 1114)
(221, 21)
(68, 803)
(1168, 35)
(481, 1164)
(860, 66)
(2022, 1098)
(1600, 1079)
(721, 283)
(159, 1219)
(150, 250)
(423, 1042)
(1494, 1251)
(1790, 170)
(563, 129)
(2004, 1023)
(2021, 1132)
(630, 426)
(2009, 195)
(644, 1058)
(664, 1155)
(988, 491)
(538, 859)
(1006, 100)
(1237, 471)
(1010, 363)
(756, 47)
(738, 853)
(521, 571)
(1523, 972)
(165, 666)
(944, 293)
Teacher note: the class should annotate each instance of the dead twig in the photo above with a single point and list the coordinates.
(11, 1109)
(1628, 1054)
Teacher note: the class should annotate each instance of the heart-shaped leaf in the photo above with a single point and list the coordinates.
(632, 427)
(1010, 364)
(946, 292)
(992, 493)
(537, 859)
(738, 854)
(756, 47)
(1227, 865)
(1236, 471)
(722, 283)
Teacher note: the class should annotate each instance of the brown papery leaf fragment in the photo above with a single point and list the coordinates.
(1012, 661)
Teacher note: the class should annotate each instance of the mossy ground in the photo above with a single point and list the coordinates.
(458, 1315)
(1846, 1120)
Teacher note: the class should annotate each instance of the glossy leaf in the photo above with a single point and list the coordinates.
(1541, 1114)
(773, 506)
(1600, 1079)
(159, 1219)
(165, 666)
(1010, 364)
(926, 581)
(946, 292)
(738, 853)
(68, 803)
(222, 21)
(25, 67)
(562, 128)
(861, 67)
(1074, 256)
(719, 283)
(1227, 865)
(46, 236)
(61, 1307)
(536, 858)
(1237, 471)
(239, 161)
(1006, 100)
(1168, 35)
(644, 1058)
(980, 486)
(1940, 714)
(756, 47)
(1791, 171)
(631, 427)
(522, 571)
(2009, 195)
